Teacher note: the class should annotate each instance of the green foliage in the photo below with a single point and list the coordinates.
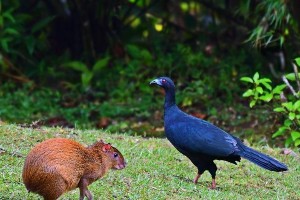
(22, 105)
(111, 49)
(289, 106)
(23, 47)
(6, 32)
(261, 90)
(13, 26)
(45, 103)
(192, 93)
(274, 23)
(291, 111)
(25, 106)
(87, 74)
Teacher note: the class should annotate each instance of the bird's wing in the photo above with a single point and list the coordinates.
(198, 136)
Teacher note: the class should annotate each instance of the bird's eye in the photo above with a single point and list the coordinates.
(164, 80)
(115, 155)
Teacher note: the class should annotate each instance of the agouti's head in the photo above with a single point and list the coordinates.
(118, 161)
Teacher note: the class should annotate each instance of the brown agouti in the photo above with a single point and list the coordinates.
(58, 165)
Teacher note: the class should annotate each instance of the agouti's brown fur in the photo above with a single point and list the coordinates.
(58, 165)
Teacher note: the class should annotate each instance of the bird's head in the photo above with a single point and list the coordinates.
(164, 82)
(168, 85)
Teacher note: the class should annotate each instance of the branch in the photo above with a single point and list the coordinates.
(289, 86)
(296, 75)
(142, 11)
(182, 28)
(18, 75)
(20, 78)
(128, 11)
(273, 72)
(228, 15)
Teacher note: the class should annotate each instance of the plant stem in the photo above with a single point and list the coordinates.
(297, 76)
(289, 86)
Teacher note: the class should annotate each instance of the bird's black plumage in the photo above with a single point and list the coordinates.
(202, 142)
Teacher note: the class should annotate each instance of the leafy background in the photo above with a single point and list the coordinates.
(89, 64)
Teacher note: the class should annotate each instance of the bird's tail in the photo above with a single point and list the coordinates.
(263, 160)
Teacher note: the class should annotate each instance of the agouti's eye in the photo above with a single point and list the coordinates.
(115, 155)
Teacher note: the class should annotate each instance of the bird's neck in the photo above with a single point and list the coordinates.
(169, 99)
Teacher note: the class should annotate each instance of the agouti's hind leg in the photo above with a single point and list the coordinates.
(83, 183)
(53, 188)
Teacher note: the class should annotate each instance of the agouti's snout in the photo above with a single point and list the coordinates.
(56, 166)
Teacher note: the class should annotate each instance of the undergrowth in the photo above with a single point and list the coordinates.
(137, 115)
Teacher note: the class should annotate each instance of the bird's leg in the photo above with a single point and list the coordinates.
(200, 167)
(212, 170)
(196, 178)
(213, 184)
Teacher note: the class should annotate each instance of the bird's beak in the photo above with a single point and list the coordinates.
(155, 81)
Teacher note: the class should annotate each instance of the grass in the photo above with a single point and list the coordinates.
(155, 170)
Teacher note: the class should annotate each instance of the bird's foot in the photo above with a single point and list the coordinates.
(196, 178)
(213, 184)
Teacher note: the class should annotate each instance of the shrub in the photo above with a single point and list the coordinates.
(283, 103)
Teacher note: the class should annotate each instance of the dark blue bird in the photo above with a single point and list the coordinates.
(202, 142)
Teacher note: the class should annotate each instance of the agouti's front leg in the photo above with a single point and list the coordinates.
(83, 183)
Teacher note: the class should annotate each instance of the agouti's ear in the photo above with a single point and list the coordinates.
(106, 147)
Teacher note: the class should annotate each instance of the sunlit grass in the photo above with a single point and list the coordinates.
(155, 170)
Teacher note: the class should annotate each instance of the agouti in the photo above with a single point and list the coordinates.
(58, 165)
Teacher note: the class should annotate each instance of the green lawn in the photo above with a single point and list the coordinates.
(155, 170)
